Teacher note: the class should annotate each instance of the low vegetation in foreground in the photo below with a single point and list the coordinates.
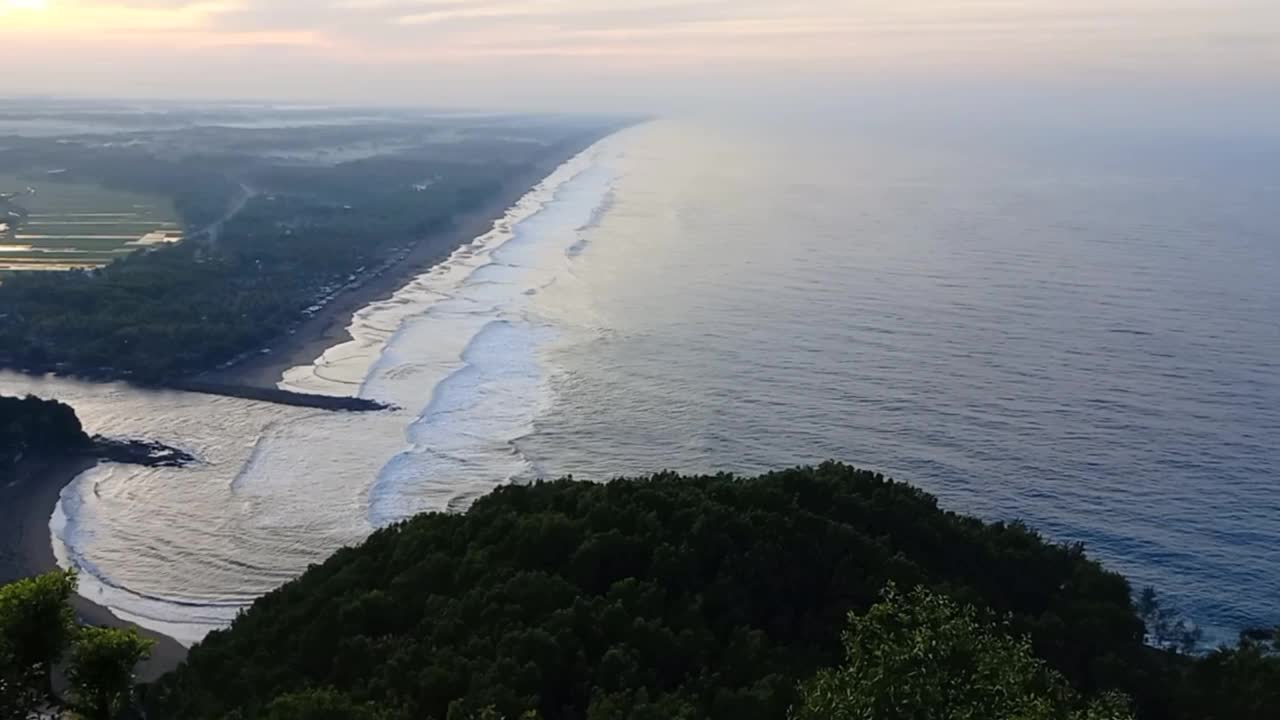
(39, 637)
(823, 593)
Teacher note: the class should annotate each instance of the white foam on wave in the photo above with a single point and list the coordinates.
(460, 447)
(183, 620)
(182, 551)
(462, 444)
(460, 342)
(347, 368)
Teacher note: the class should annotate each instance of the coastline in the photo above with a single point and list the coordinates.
(26, 544)
(26, 547)
(329, 327)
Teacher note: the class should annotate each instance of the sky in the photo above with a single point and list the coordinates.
(644, 54)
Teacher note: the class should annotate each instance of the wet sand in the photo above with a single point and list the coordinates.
(25, 543)
(328, 327)
(26, 547)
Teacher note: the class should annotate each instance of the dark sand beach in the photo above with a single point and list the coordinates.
(328, 327)
(28, 503)
(26, 547)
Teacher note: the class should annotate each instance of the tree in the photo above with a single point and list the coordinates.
(37, 629)
(1240, 683)
(36, 626)
(100, 670)
(1166, 628)
(922, 656)
(31, 425)
(665, 597)
(323, 704)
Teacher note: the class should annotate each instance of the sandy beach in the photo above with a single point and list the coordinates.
(328, 327)
(25, 543)
(26, 547)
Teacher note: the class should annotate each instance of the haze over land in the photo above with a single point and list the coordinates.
(1200, 63)
(301, 301)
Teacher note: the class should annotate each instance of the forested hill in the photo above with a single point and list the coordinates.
(30, 425)
(666, 597)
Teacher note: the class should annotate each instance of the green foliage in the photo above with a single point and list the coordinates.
(1241, 683)
(216, 297)
(922, 656)
(667, 597)
(1166, 629)
(36, 625)
(37, 629)
(33, 425)
(319, 705)
(100, 671)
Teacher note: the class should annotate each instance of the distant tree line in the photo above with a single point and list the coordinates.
(180, 310)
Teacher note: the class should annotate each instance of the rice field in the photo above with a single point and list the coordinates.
(47, 223)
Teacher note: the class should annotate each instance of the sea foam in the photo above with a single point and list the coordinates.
(183, 550)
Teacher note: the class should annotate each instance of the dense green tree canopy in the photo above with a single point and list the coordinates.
(38, 631)
(33, 425)
(1241, 683)
(922, 656)
(309, 231)
(100, 671)
(667, 597)
(319, 705)
(36, 625)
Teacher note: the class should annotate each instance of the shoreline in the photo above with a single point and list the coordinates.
(329, 327)
(26, 543)
(26, 548)
(256, 375)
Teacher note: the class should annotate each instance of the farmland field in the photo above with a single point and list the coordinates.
(48, 223)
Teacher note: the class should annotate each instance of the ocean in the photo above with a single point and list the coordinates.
(1077, 331)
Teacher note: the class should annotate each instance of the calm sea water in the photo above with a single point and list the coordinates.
(1082, 334)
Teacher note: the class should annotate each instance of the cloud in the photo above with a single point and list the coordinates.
(75, 15)
(378, 43)
(376, 26)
